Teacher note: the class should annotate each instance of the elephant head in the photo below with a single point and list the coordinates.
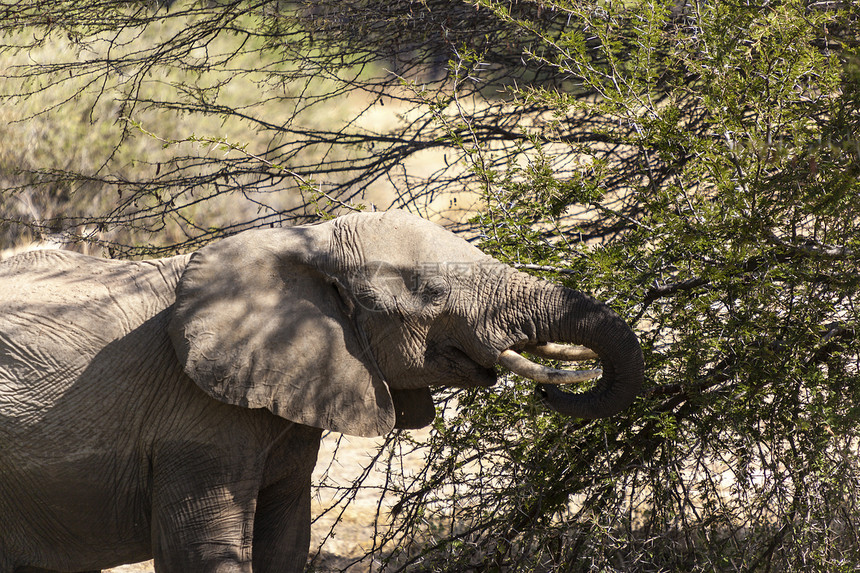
(345, 325)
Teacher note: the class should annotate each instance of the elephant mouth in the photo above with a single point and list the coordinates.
(452, 366)
(518, 364)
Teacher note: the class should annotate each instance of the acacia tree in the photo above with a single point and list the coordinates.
(713, 199)
(693, 163)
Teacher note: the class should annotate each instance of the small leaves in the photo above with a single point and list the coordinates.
(702, 215)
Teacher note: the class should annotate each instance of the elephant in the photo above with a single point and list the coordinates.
(172, 409)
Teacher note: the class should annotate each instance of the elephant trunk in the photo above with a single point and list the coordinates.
(568, 316)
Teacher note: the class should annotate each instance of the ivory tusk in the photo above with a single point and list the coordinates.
(542, 374)
(560, 351)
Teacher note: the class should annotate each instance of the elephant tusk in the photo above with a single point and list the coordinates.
(560, 351)
(542, 374)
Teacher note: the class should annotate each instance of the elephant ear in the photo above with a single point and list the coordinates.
(258, 323)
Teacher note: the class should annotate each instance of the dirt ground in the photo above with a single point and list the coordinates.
(354, 533)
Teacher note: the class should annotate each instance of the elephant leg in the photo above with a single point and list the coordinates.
(210, 532)
(282, 521)
(202, 516)
(282, 527)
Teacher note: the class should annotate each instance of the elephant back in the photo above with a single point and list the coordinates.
(59, 310)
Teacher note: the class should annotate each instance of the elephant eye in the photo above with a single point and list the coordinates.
(434, 291)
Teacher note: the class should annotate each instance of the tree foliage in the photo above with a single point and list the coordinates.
(694, 163)
(709, 190)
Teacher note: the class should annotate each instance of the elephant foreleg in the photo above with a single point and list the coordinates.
(282, 527)
(203, 514)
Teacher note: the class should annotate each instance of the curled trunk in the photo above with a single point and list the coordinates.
(570, 317)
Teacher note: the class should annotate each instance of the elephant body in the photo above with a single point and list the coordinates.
(82, 382)
(172, 409)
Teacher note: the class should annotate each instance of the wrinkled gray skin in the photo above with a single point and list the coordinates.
(173, 408)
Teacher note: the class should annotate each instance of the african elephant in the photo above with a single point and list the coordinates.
(172, 409)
